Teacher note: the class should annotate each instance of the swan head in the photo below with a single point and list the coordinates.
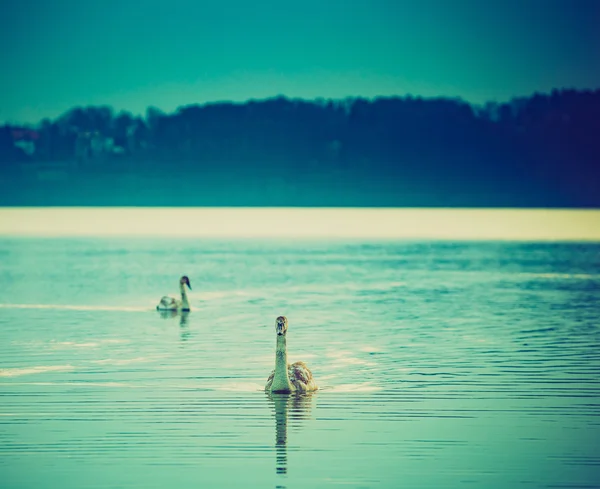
(185, 281)
(281, 325)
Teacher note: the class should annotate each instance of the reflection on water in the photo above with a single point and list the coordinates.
(183, 321)
(167, 314)
(440, 364)
(293, 406)
(324, 223)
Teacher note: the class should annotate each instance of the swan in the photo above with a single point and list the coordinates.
(169, 304)
(296, 377)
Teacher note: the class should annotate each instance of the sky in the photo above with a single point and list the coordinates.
(131, 54)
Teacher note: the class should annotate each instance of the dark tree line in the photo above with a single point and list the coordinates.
(547, 146)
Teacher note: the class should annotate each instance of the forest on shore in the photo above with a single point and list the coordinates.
(537, 151)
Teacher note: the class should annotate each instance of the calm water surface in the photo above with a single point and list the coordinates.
(440, 364)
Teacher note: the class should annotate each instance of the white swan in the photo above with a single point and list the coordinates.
(296, 377)
(170, 304)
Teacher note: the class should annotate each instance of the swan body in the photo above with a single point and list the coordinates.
(170, 304)
(295, 377)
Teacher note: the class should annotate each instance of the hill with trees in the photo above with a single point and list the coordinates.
(539, 151)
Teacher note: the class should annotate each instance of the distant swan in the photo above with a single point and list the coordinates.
(296, 377)
(170, 304)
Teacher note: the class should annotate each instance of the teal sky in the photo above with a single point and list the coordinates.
(131, 54)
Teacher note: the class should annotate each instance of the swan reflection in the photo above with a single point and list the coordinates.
(183, 321)
(294, 407)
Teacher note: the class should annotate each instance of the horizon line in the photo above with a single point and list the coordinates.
(347, 98)
(446, 224)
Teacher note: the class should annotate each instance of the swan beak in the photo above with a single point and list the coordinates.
(189, 286)
(279, 329)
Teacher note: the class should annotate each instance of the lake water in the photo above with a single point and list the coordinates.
(440, 364)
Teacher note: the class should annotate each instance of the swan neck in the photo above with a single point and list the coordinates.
(281, 381)
(184, 298)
